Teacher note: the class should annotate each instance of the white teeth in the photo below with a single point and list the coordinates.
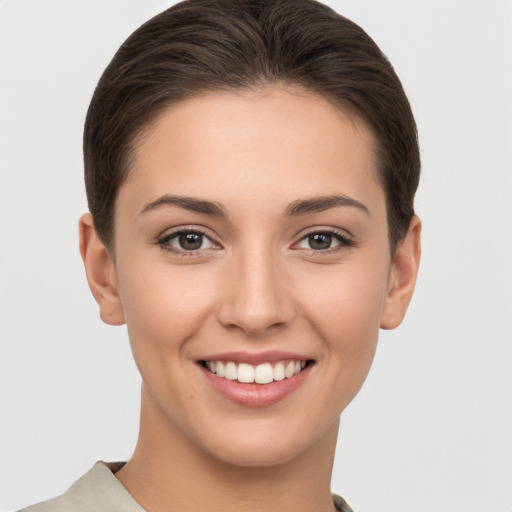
(245, 373)
(279, 371)
(231, 372)
(261, 374)
(220, 369)
(288, 372)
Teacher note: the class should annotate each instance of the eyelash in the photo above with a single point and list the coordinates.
(343, 240)
(164, 242)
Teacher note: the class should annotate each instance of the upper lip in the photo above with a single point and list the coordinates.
(254, 358)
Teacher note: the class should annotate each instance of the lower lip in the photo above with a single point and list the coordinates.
(255, 395)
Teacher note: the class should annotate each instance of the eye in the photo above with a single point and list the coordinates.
(324, 240)
(186, 241)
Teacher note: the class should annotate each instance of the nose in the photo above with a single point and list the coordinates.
(256, 297)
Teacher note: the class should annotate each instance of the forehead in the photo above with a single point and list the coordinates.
(245, 142)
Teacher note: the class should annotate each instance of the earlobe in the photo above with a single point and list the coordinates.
(403, 274)
(100, 272)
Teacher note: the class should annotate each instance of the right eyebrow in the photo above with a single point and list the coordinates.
(322, 203)
(191, 204)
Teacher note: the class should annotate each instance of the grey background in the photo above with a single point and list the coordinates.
(431, 429)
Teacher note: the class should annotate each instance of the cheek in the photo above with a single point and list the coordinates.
(346, 311)
(164, 305)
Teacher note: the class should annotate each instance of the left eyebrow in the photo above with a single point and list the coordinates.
(191, 204)
(322, 203)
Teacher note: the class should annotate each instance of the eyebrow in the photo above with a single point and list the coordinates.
(187, 203)
(322, 203)
(296, 208)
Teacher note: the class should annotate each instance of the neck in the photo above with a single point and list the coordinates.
(168, 471)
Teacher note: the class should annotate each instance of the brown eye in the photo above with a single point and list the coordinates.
(186, 241)
(324, 240)
(190, 241)
(320, 241)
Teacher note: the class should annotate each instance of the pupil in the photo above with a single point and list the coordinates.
(320, 241)
(191, 241)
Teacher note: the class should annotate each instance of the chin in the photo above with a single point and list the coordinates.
(254, 455)
(267, 446)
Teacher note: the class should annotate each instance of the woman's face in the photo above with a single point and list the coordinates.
(251, 240)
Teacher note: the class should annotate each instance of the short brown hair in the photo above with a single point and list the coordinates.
(212, 45)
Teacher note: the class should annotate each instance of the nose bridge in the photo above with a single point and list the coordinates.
(256, 298)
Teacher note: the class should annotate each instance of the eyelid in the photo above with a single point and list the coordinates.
(345, 239)
(163, 239)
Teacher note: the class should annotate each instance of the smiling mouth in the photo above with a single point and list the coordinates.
(264, 373)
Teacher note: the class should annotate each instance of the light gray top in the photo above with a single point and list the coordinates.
(100, 491)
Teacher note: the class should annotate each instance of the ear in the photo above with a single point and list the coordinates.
(100, 271)
(402, 277)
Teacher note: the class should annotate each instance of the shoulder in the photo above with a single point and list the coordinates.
(100, 491)
(58, 504)
(340, 504)
(96, 491)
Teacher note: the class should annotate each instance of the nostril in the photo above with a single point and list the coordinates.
(252, 320)
(256, 298)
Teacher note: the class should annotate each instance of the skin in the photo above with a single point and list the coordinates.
(255, 285)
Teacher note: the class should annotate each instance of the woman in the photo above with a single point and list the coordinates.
(250, 170)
